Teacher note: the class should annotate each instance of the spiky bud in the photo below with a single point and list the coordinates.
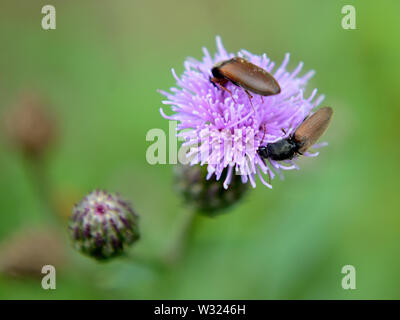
(103, 225)
(29, 126)
(208, 197)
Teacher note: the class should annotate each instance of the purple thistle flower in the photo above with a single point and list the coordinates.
(224, 131)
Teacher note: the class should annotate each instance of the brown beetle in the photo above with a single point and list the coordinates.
(244, 74)
(304, 137)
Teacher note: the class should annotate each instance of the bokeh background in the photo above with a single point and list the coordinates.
(98, 73)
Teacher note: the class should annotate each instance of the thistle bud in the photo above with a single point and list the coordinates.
(208, 197)
(29, 126)
(103, 225)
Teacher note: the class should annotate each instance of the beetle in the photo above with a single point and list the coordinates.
(309, 131)
(245, 74)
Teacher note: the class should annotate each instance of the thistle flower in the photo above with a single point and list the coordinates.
(103, 225)
(208, 197)
(225, 131)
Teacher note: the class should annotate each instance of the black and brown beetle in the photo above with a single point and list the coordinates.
(309, 131)
(246, 75)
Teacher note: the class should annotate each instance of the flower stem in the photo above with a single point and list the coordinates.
(183, 239)
(36, 168)
(175, 253)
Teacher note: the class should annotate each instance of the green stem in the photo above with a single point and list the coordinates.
(38, 175)
(184, 237)
(176, 251)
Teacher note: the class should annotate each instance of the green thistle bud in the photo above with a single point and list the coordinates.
(103, 225)
(208, 197)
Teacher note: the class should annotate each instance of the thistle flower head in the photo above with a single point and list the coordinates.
(103, 225)
(225, 131)
(207, 197)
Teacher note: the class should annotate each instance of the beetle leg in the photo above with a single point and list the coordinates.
(213, 81)
(221, 83)
(250, 97)
(283, 130)
(248, 94)
(218, 81)
(263, 133)
(230, 92)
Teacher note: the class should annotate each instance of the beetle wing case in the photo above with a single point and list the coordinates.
(312, 129)
(248, 76)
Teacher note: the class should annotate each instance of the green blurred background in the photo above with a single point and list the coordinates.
(100, 70)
